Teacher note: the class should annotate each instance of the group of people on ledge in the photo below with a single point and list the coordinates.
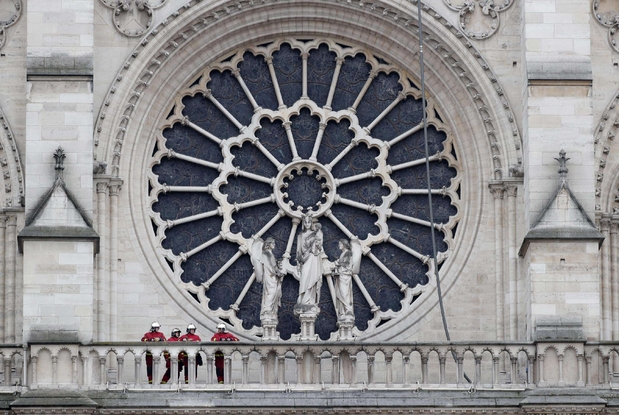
(154, 335)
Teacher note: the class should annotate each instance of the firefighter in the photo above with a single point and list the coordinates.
(174, 337)
(152, 336)
(221, 336)
(190, 336)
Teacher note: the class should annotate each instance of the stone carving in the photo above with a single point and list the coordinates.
(479, 19)
(10, 11)
(345, 267)
(606, 12)
(268, 272)
(309, 259)
(133, 17)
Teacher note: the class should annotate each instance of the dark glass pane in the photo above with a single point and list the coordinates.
(404, 116)
(189, 142)
(256, 75)
(273, 137)
(289, 71)
(361, 159)
(320, 70)
(175, 172)
(413, 147)
(229, 93)
(304, 130)
(252, 160)
(337, 137)
(355, 71)
(382, 92)
(205, 114)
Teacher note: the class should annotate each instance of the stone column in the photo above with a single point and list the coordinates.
(512, 191)
(9, 279)
(498, 191)
(114, 187)
(102, 305)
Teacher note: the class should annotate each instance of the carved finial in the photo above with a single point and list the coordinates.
(562, 163)
(59, 156)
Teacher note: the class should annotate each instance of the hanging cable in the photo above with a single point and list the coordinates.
(425, 139)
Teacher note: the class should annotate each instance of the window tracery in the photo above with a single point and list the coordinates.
(287, 127)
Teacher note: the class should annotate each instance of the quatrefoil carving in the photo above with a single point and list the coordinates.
(133, 18)
(479, 19)
(606, 12)
(10, 11)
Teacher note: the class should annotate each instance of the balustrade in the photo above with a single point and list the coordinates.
(308, 365)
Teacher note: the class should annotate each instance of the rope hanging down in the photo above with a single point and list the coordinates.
(425, 138)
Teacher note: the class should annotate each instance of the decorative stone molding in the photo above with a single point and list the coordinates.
(607, 191)
(133, 18)
(607, 14)
(10, 11)
(10, 164)
(479, 19)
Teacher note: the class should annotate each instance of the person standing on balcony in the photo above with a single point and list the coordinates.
(152, 336)
(191, 336)
(221, 336)
(174, 337)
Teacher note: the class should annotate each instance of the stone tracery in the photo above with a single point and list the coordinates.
(261, 119)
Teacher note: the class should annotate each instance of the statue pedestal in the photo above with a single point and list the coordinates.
(307, 315)
(269, 329)
(346, 324)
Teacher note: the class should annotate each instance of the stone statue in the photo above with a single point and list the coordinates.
(343, 281)
(309, 262)
(268, 272)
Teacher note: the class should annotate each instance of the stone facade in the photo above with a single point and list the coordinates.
(508, 85)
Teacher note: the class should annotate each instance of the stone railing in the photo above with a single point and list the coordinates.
(313, 365)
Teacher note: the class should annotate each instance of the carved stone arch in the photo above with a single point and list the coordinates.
(12, 187)
(170, 57)
(606, 148)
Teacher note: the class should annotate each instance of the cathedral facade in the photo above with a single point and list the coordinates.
(394, 205)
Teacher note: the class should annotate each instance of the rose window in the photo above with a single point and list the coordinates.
(291, 127)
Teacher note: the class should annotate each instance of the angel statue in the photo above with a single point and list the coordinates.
(345, 267)
(268, 272)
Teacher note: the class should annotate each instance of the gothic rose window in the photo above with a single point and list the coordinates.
(299, 126)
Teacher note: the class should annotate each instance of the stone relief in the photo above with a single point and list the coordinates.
(315, 147)
(10, 11)
(606, 12)
(479, 19)
(133, 17)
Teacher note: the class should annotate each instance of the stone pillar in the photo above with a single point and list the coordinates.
(498, 191)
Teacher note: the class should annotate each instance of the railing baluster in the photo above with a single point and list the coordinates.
(406, 371)
(228, 370)
(370, 369)
(515, 369)
(460, 359)
(121, 364)
(540, 375)
(478, 370)
(55, 370)
(388, 369)
(138, 372)
(102, 374)
(7, 371)
(192, 369)
(73, 369)
(317, 369)
(299, 360)
(441, 373)
(335, 373)
(424, 369)
(495, 370)
(34, 360)
(156, 360)
(245, 374)
(281, 369)
(353, 364)
(210, 361)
